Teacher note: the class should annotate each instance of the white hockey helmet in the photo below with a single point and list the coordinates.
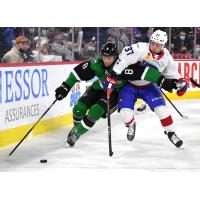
(159, 37)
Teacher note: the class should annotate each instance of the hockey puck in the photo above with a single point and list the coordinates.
(43, 161)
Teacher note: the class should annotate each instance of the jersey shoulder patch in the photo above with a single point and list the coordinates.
(95, 60)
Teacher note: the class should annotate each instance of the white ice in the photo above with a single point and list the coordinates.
(150, 150)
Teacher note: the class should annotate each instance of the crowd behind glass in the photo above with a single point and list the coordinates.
(35, 44)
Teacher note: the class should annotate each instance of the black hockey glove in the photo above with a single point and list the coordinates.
(167, 84)
(62, 91)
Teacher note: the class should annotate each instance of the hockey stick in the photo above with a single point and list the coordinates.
(183, 116)
(105, 115)
(32, 127)
(194, 82)
(109, 121)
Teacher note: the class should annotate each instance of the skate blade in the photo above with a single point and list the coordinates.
(67, 146)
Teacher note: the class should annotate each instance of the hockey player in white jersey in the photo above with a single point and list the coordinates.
(156, 55)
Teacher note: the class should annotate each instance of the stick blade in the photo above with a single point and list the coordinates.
(194, 82)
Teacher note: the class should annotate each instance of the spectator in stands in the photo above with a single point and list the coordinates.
(172, 48)
(40, 52)
(123, 39)
(184, 54)
(184, 50)
(112, 35)
(28, 52)
(197, 51)
(9, 36)
(59, 47)
(42, 40)
(2, 44)
(89, 51)
(182, 41)
(45, 49)
(17, 53)
(141, 34)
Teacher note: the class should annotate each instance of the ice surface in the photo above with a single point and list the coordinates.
(150, 149)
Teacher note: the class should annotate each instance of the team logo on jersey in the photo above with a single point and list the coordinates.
(147, 57)
(94, 61)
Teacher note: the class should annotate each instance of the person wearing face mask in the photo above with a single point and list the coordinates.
(182, 41)
(89, 51)
(28, 52)
(17, 53)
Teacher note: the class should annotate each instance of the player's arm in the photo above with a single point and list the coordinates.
(128, 56)
(171, 72)
(141, 71)
(148, 72)
(81, 72)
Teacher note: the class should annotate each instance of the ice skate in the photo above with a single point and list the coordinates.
(131, 132)
(174, 139)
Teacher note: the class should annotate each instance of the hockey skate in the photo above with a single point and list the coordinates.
(131, 132)
(142, 108)
(174, 139)
(71, 138)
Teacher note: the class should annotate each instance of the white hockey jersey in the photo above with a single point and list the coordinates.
(140, 52)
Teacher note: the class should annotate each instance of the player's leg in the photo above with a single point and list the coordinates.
(153, 96)
(127, 99)
(89, 98)
(96, 112)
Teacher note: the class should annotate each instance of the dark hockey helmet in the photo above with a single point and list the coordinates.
(109, 49)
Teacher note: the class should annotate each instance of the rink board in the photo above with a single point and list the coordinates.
(27, 90)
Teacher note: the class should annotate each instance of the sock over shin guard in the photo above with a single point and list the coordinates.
(127, 116)
(94, 114)
(165, 118)
(79, 111)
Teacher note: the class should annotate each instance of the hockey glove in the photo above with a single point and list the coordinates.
(108, 80)
(167, 84)
(182, 86)
(62, 91)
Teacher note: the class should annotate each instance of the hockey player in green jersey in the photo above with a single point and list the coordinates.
(92, 105)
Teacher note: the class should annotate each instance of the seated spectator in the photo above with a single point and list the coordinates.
(17, 53)
(184, 50)
(184, 54)
(123, 39)
(9, 36)
(59, 47)
(137, 35)
(112, 35)
(197, 51)
(42, 51)
(42, 40)
(28, 52)
(89, 51)
(182, 41)
(171, 48)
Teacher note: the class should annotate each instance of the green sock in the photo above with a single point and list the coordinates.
(80, 130)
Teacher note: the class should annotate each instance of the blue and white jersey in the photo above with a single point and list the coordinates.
(164, 62)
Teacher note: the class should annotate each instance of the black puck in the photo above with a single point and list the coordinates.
(43, 161)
